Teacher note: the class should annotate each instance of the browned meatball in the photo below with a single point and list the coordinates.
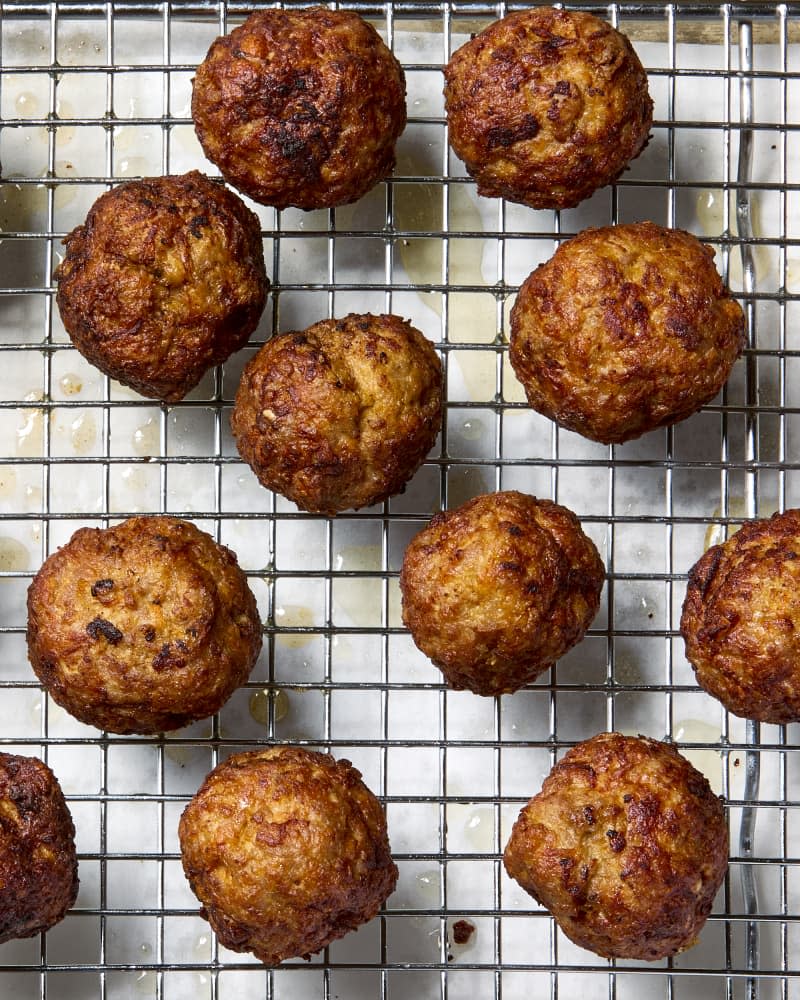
(741, 620)
(625, 329)
(497, 590)
(38, 863)
(545, 106)
(143, 627)
(342, 414)
(300, 107)
(626, 845)
(287, 850)
(164, 280)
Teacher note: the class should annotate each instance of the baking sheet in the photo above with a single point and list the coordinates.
(338, 671)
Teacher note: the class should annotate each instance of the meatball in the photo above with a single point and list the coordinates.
(342, 414)
(625, 329)
(741, 620)
(546, 106)
(626, 845)
(300, 107)
(38, 863)
(142, 627)
(164, 280)
(495, 591)
(287, 850)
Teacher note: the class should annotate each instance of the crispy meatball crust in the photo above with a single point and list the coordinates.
(164, 280)
(545, 106)
(625, 329)
(300, 107)
(741, 620)
(342, 414)
(142, 627)
(495, 591)
(38, 863)
(626, 845)
(287, 850)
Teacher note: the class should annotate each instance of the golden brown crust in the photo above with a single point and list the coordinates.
(300, 107)
(342, 414)
(495, 591)
(545, 106)
(741, 620)
(287, 850)
(38, 863)
(142, 627)
(164, 280)
(625, 329)
(626, 845)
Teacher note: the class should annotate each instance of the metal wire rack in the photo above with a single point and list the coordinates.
(93, 92)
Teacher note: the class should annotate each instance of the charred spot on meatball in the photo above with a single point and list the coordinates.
(624, 330)
(164, 280)
(639, 880)
(300, 107)
(287, 850)
(545, 106)
(497, 590)
(340, 415)
(741, 620)
(142, 627)
(38, 861)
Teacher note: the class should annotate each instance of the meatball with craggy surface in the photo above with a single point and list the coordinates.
(340, 415)
(143, 627)
(164, 280)
(625, 329)
(287, 851)
(625, 844)
(741, 620)
(497, 590)
(545, 106)
(38, 862)
(300, 107)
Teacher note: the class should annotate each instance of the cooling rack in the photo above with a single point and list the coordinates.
(94, 92)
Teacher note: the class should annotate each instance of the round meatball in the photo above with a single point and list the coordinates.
(38, 863)
(545, 106)
(497, 590)
(287, 851)
(625, 329)
(741, 620)
(164, 280)
(300, 107)
(626, 845)
(342, 414)
(143, 627)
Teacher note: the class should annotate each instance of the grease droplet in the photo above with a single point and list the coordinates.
(83, 433)
(709, 209)
(27, 105)
(70, 384)
(14, 556)
(429, 887)
(30, 434)
(146, 438)
(293, 616)
(259, 705)
(472, 430)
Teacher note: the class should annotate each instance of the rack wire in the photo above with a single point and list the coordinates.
(95, 92)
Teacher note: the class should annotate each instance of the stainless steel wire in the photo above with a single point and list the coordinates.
(95, 92)
(745, 227)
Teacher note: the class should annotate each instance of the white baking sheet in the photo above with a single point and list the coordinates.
(444, 760)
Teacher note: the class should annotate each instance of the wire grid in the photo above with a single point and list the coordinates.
(94, 92)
